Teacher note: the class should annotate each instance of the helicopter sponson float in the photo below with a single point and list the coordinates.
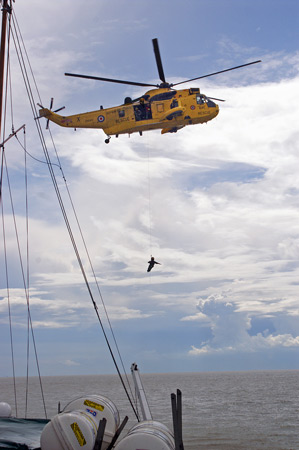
(163, 107)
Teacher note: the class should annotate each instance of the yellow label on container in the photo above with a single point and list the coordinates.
(78, 433)
(94, 405)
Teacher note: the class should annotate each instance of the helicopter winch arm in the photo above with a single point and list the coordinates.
(216, 73)
(112, 80)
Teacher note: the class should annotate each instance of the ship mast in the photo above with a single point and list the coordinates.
(5, 9)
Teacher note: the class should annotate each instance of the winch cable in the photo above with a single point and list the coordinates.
(149, 200)
(56, 187)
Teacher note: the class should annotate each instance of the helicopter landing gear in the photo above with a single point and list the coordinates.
(107, 140)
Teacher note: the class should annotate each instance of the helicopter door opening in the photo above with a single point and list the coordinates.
(142, 111)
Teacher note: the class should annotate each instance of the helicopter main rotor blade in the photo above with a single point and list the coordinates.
(216, 73)
(217, 99)
(90, 77)
(158, 60)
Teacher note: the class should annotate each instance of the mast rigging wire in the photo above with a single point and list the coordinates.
(90, 262)
(8, 292)
(55, 184)
(8, 83)
(24, 283)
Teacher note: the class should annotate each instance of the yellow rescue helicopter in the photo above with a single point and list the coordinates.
(164, 107)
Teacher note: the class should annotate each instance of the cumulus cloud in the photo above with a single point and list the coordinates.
(231, 330)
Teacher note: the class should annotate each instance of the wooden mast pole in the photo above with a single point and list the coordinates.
(5, 9)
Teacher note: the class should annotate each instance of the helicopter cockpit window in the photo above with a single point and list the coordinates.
(200, 99)
(121, 113)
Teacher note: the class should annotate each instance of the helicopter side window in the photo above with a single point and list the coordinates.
(121, 113)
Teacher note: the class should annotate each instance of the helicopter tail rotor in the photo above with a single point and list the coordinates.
(56, 110)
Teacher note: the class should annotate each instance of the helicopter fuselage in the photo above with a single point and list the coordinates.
(163, 108)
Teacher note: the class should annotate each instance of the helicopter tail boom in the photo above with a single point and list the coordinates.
(56, 118)
(85, 120)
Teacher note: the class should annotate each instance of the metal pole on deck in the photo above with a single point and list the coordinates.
(145, 410)
(176, 404)
(100, 434)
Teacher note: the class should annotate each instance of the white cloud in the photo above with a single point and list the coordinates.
(231, 330)
(198, 317)
(70, 362)
(255, 343)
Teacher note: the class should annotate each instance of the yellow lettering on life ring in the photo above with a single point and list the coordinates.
(78, 433)
(94, 405)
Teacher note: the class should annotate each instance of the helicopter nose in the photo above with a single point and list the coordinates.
(215, 110)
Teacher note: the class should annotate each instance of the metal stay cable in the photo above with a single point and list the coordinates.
(7, 288)
(74, 211)
(56, 187)
(90, 262)
(27, 266)
(3, 224)
(96, 281)
(26, 286)
(24, 280)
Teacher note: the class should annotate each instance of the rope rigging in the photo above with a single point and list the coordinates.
(24, 63)
(4, 163)
(7, 291)
(26, 289)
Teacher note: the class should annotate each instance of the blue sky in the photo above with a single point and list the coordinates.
(224, 196)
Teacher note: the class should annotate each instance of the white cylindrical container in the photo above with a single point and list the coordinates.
(69, 431)
(77, 425)
(149, 434)
(5, 410)
(98, 407)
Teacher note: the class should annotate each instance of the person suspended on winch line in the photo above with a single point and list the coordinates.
(151, 263)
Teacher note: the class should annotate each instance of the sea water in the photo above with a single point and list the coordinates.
(227, 411)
